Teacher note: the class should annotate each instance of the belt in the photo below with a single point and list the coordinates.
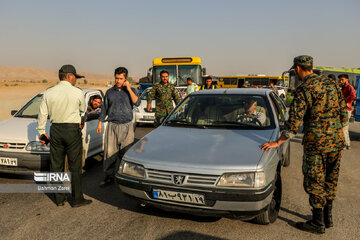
(66, 124)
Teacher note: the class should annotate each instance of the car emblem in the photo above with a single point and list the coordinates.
(6, 146)
(178, 179)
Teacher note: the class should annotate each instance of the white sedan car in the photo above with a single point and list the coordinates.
(20, 148)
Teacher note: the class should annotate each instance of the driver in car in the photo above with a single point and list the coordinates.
(251, 115)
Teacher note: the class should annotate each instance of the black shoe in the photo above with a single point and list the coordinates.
(82, 203)
(316, 225)
(328, 214)
(107, 182)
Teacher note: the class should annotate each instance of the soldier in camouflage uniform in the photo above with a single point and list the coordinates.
(163, 93)
(319, 103)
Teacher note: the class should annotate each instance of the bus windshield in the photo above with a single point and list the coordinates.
(179, 73)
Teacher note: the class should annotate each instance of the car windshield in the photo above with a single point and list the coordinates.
(144, 95)
(31, 109)
(223, 111)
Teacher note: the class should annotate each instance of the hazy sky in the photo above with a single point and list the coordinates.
(231, 37)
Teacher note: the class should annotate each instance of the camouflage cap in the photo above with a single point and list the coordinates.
(303, 61)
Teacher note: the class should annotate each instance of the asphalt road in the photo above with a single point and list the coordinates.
(114, 216)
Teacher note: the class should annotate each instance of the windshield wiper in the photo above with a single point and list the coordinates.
(240, 124)
(184, 122)
(27, 116)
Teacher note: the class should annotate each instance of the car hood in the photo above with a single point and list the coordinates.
(187, 149)
(19, 129)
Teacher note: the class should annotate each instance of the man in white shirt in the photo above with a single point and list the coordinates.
(64, 104)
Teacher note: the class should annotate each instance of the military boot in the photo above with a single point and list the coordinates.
(328, 214)
(316, 225)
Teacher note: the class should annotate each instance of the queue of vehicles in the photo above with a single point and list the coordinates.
(212, 163)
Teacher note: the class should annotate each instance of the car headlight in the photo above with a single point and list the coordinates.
(132, 169)
(136, 109)
(252, 179)
(37, 147)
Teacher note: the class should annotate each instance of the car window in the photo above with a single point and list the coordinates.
(281, 103)
(222, 111)
(92, 114)
(278, 109)
(144, 95)
(31, 109)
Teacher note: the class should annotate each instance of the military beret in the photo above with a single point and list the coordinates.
(303, 61)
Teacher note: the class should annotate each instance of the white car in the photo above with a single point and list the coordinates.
(20, 149)
(141, 113)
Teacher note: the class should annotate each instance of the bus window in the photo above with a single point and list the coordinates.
(189, 71)
(170, 69)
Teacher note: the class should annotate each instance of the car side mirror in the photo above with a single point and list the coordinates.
(13, 112)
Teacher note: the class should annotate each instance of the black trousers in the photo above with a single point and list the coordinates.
(66, 139)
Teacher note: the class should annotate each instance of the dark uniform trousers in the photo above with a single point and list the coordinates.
(321, 173)
(66, 139)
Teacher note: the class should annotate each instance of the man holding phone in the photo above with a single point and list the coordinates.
(117, 110)
(64, 104)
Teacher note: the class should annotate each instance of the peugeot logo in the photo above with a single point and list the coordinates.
(178, 179)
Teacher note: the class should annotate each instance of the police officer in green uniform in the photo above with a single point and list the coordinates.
(320, 105)
(64, 104)
(163, 93)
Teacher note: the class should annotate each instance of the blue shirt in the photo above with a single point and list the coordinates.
(117, 106)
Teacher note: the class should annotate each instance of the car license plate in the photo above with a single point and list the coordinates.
(179, 196)
(8, 161)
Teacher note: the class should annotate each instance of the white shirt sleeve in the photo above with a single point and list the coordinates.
(43, 115)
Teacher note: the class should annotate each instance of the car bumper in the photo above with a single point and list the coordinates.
(26, 162)
(241, 204)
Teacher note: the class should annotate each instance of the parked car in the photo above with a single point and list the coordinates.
(142, 115)
(20, 148)
(206, 158)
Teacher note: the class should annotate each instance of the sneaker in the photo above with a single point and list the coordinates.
(107, 182)
(348, 147)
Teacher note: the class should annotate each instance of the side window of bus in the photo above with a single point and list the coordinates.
(278, 109)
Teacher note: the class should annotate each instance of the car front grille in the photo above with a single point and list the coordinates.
(9, 145)
(190, 179)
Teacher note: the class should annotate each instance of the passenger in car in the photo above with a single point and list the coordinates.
(93, 110)
(94, 105)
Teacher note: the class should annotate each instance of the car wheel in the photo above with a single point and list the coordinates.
(287, 157)
(272, 211)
